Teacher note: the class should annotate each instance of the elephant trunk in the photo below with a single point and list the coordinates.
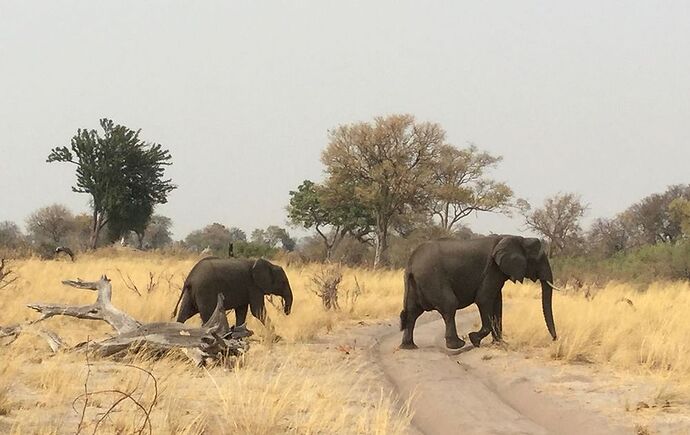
(546, 296)
(287, 300)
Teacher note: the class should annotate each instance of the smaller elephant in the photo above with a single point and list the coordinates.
(243, 283)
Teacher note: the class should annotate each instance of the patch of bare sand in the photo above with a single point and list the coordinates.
(491, 390)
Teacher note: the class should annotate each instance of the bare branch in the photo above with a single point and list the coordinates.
(6, 277)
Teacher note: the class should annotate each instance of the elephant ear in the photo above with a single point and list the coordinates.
(533, 247)
(510, 258)
(263, 282)
(262, 274)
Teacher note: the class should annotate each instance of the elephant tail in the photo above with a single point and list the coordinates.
(185, 289)
(410, 290)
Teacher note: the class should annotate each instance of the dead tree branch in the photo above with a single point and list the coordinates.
(103, 309)
(325, 285)
(128, 282)
(211, 342)
(9, 334)
(7, 275)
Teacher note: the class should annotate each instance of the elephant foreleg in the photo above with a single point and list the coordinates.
(241, 315)
(486, 314)
(452, 339)
(241, 329)
(497, 318)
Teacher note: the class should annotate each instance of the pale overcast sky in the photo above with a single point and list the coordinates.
(588, 96)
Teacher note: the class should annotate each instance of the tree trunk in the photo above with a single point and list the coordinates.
(95, 230)
(381, 245)
(328, 252)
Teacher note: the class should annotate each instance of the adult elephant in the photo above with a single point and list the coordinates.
(449, 274)
(243, 283)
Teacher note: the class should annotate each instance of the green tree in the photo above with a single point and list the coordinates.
(123, 175)
(461, 187)
(680, 212)
(384, 166)
(215, 236)
(157, 233)
(237, 235)
(253, 250)
(313, 206)
(259, 237)
(276, 234)
(650, 220)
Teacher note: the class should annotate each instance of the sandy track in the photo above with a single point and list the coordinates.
(479, 391)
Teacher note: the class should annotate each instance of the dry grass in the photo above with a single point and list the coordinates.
(642, 331)
(292, 386)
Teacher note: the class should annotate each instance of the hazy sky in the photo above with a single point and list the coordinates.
(588, 96)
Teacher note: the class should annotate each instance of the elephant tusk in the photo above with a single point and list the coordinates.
(554, 287)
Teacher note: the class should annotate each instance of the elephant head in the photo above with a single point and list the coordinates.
(519, 258)
(271, 279)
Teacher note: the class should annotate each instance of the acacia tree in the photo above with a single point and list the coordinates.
(385, 166)
(460, 186)
(123, 174)
(331, 216)
(558, 220)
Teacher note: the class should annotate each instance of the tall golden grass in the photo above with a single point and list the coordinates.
(291, 386)
(294, 385)
(641, 330)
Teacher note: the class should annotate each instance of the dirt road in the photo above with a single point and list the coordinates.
(479, 391)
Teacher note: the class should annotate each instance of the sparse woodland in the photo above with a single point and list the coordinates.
(119, 365)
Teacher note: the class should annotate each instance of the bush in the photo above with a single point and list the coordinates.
(663, 261)
(253, 250)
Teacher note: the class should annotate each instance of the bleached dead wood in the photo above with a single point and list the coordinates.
(103, 309)
(9, 334)
(210, 342)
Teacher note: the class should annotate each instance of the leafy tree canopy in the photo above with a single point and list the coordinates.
(123, 175)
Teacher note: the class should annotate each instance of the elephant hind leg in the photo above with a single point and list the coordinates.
(241, 315)
(408, 317)
(452, 339)
(187, 307)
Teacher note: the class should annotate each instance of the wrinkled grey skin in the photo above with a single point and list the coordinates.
(449, 274)
(243, 282)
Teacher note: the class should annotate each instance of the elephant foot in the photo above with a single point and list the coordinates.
(475, 338)
(239, 332)
(409, 346)
(454, 343)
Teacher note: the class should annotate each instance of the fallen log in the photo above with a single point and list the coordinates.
(212, 342)
(103, 309)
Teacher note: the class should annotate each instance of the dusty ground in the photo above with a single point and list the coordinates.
(492, 390)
